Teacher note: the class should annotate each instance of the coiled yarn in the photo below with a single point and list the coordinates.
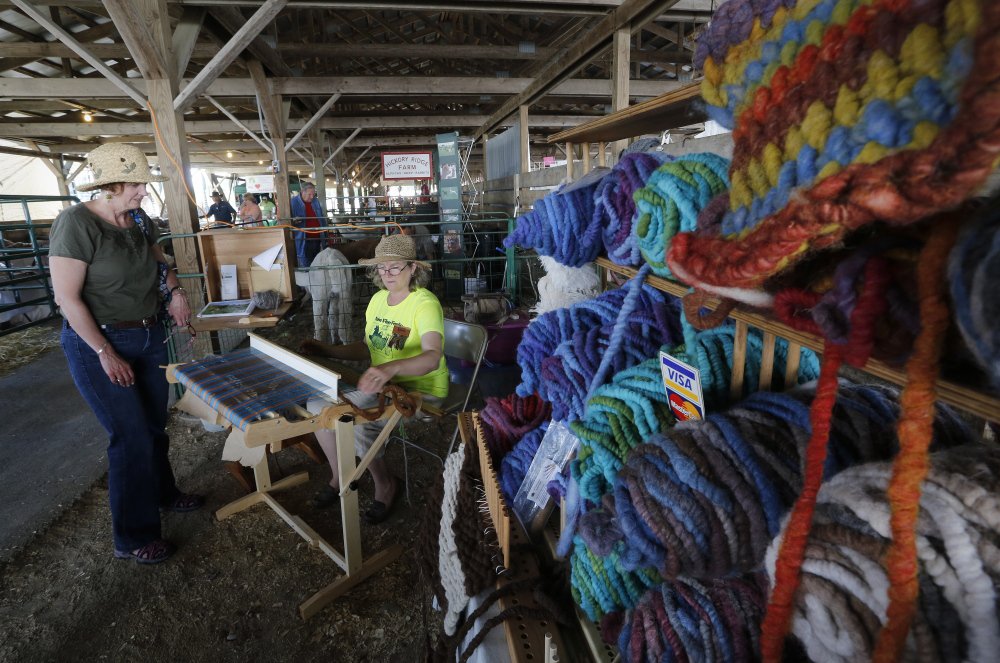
(615, 205)
(674, 195)
(717, 619)
(514, 466)
(843, 112)
(562, 225)
(655, 317)
(505, 421)
(842, 601)
(973, 272)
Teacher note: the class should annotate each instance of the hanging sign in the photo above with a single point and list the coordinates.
(407, 166)
(260, 183)
(683, 385)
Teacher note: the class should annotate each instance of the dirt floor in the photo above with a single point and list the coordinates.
(231, 593)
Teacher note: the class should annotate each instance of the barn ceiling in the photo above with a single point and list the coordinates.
(403, 74)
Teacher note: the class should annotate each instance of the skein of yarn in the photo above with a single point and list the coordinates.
(564, 286)
(842, 601)
(507, 420)
(615, 204)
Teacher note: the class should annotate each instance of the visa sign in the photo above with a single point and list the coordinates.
(682, 384)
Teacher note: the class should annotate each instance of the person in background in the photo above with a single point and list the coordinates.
(220, 210)
(250, 212)
(268, 210)
(372, 206)
(308, 213)
(404, 338)
(111, 281)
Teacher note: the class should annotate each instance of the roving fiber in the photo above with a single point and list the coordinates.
(654, 319)
(564, 286)
(716, 619)
(843, 112)
(505, 421)
(705, 498)
(974, 272)
(562, 225)
(843, 599)
(670, 202)
(615, 205)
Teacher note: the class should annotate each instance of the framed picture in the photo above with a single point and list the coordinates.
(226, 308)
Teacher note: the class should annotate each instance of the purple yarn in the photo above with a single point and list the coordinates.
(515, 465)
(614, 206)
(731, 24)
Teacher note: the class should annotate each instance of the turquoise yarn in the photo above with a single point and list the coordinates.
(670, 202)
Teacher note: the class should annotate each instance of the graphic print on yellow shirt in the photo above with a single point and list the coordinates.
(393, 332)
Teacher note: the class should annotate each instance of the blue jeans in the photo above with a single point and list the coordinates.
(139, 476)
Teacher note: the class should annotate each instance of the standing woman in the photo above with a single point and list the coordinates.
(404, 338)
(250, 213)
(108, 275)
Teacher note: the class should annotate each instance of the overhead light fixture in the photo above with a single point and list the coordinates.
(298, 172)
(229, 155)
(260, 162)
(87, 117)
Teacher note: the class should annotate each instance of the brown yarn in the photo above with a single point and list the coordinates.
(404, 402)
(696, 301)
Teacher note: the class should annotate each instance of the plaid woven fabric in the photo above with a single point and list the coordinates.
(247, 386)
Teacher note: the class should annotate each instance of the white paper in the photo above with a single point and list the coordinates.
(228, 286)
(267, 257)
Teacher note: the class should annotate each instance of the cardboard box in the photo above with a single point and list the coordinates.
(231, 246)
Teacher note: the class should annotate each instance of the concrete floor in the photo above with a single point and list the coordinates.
(51, 448)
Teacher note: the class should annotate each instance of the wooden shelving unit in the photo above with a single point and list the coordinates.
(964, 398)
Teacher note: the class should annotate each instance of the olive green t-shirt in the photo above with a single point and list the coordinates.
(122, 276)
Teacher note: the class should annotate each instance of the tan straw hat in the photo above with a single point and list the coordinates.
(394, 247)
(118, 162)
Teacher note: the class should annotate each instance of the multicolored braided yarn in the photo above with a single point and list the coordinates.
(843, 112)
(973, 273)
(614, 204)
(674, 195)
(843, 599)
(562, 225)
(717, 619)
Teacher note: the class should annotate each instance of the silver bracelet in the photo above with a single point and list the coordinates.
(103, 347)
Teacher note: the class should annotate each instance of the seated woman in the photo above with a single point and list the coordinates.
(404, 337)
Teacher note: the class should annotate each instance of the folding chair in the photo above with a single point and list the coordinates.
(462, 341)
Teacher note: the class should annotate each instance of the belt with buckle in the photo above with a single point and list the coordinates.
(145, 323)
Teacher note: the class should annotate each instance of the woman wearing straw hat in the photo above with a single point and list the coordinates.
(111, 281)
(404, 338)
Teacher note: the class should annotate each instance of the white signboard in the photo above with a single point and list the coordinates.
(260, 183)
(406, 165)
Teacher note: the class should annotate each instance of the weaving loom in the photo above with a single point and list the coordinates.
(260, 394)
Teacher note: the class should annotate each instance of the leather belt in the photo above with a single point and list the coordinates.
(145, 323)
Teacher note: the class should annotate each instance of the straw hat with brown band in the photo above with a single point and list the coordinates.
(395, 247)
(118, 162)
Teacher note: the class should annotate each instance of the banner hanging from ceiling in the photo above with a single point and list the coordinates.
(407, 166)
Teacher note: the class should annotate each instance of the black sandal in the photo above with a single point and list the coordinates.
(379, 511)
(325, 498)
(185, 502)
(153, 552)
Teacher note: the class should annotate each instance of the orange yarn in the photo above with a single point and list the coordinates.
(915, 430)
(786, 572)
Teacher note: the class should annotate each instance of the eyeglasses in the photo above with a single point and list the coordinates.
(391, 271)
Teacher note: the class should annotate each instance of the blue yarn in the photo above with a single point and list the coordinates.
(634, 288)
(514, 465)
(562, 225)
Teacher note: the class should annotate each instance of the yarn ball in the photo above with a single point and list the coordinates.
(843, 112)
(507, 420)
(615, 205)
(974, 272)
(841, 602)
(562, 225)
(716, 619)
(670, 202)
(514, 466)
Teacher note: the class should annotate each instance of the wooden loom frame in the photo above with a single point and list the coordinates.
(274, 432)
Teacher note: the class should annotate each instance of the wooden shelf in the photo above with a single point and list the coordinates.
(676, 108)
(256, 320)
(961, 397)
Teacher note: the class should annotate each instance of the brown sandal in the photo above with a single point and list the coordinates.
(153, 552)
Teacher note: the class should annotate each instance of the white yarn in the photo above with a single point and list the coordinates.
(564, 286)
(449, 566)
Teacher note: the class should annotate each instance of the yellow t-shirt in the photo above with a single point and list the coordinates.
(393, 332)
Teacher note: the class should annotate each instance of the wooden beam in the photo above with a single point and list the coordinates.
(631, 12)
(70, 41)
(55, 49)
(419, 86)
(17, 151)
(341, 147)
(133, 20)
(247, 130)
(184, 40)
(246, 33)
(313, 120)
(274, 116)
(417, 51)
(523, 139)
(620, 80)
